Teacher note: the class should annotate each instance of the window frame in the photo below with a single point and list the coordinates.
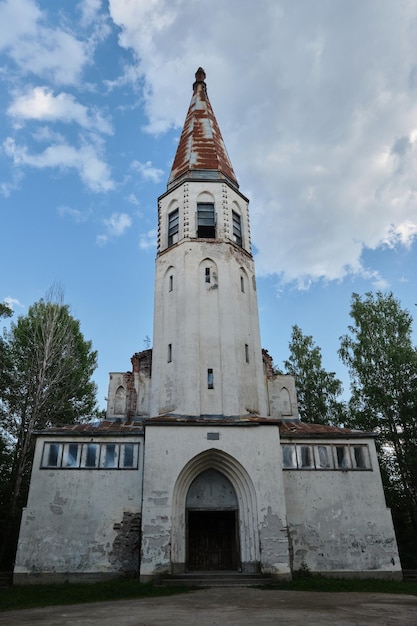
(83, 447)
(206, 220)
(237, 228)
(173, 227)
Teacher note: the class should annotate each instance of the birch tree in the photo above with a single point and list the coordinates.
(48, 382)
(318, 391)
(382, 363)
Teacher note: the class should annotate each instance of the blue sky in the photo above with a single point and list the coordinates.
(317, 104)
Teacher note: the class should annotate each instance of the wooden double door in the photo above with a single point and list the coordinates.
(212, 540)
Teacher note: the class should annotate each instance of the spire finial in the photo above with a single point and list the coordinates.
(200, 75)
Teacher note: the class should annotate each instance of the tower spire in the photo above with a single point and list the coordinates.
(201, 153)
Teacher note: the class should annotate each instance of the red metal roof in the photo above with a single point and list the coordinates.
(287, 429)
(302, 429)
(201, 148)
(123, 427)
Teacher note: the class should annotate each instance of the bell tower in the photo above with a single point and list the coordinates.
(207, 357)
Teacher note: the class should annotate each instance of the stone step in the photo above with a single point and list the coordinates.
(214, 579)
(6, 579)
(410, 575)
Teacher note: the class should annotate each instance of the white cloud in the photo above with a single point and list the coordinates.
(115, 226)
(12, 303)
(317, 109)
(89, 11)
(93, 171)
(147, 171)
(148, 240)
(39, 103)
(75, 214)
(38, 48)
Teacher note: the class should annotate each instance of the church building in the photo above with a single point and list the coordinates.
(202, 462)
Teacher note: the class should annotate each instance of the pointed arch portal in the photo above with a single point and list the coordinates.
(214, 516)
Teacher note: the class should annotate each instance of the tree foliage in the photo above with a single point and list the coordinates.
(317, 390)
(383, 368)
(46, 380)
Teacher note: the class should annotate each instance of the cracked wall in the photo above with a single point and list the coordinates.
(338, 521)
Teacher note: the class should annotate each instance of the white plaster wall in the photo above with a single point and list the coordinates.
(338, 521)
(207, 324)
(116, 380)
(68, 523)
(253, 456)
(282, 397)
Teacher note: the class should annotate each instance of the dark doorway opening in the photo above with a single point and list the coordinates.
(212, 541)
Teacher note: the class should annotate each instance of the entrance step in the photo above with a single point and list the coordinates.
(214, 579)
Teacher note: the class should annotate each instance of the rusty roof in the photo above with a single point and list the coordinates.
(302, 429)
(287, 429)
(201, 151)
(104, 427)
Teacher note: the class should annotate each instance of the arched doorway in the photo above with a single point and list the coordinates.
(212, 523)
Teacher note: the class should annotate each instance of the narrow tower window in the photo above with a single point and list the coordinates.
(206, 221)
(171, 283)
(237, 228)
(173, 223)
(210, 383)
(247, 353)
(242, 284)
(169, 352)
(207, 274)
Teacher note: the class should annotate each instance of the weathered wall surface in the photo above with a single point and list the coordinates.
(338, 521)
(206, 312)
(249, 457)
(80, 521)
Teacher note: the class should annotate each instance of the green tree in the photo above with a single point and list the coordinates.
(317, 390)
(48, 377)
(382, 363)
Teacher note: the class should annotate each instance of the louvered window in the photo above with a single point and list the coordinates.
(237, 228)
(206, 221)
(173, 225)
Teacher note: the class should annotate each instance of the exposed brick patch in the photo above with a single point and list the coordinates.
(126, 545)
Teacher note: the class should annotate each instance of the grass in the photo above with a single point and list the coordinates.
(32, 596)
(320, 583)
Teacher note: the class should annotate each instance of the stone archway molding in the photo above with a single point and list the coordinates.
(247, 502)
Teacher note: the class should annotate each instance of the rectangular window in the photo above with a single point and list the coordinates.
(288, 457)
(169, 352)
(323, 457)
(247, 353)
(91, 454)
(72, 455)
(129, 456)
(52, 455)
(173, 227)
(360, 457)
(207, 275)
(206, 221)
(342, 457)
(237, 228)
(305, 457)
(210, 381)
(171, 283)
(109, 455)
(242, 284)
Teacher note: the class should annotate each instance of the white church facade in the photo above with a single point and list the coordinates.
(202, 463)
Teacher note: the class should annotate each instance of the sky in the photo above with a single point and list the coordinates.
(317, 104)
